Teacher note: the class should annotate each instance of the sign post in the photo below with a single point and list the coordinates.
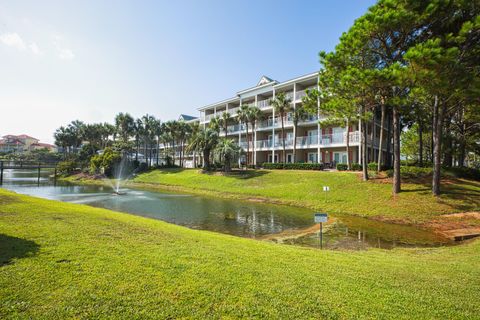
(321, 218)
(325, 190)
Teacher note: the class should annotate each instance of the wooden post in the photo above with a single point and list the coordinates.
(1, 172)
(55, 176)
(38, 179)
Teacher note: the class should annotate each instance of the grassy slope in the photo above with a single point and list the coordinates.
(348, 193)
(60, 260)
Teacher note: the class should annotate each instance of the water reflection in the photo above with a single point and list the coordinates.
(256, 220)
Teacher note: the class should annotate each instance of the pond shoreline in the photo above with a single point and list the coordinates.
(455, 227)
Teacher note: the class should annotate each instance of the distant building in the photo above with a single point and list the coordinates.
(22, 143)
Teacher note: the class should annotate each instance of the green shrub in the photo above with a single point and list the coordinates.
(356, 167)
(408, 172)
(463, 172)
(292, 166)
(342, 166)
(372, 166)
(66, 167)
(105, 162)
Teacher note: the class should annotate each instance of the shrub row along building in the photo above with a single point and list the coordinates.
(314, 144)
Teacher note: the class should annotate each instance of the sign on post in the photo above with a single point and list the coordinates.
(321, 218)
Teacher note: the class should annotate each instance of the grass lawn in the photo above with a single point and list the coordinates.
(60, 260)
(348, 193)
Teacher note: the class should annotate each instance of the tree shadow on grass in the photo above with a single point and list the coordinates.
(13, 247)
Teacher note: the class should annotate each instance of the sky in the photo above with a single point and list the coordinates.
(88, 60)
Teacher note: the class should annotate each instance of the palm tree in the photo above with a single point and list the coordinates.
(254, 115)
(281, 104)
(172, 128)
(182, 134)
(158, 131)
(138, 132)
(215, 124)
(226, 149)
(193, 131)
(243, 117)
(224, 119)
(125, 125)
(204, 141)
(299, 113)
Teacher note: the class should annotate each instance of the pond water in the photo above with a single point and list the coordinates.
(269, 222)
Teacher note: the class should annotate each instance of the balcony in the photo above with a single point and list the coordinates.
(263, 104)
(207, 117)
(233, 111)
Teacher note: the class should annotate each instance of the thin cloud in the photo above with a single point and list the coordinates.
(62, 52)
(13, 40)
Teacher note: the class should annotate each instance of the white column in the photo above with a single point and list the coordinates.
(255, 138)
(294, 129)
(239, 135)
(273, 130)
(319, 129)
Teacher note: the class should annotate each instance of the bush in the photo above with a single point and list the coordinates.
(464, 172)
(356, 167)
(105, 162)
(342, 166)
(66, 167)
(408, 172)
(372, 166)
(292, 166)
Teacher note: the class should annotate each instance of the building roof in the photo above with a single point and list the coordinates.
(22, 136)
(263, 83)
(186, 117)
(45, 145)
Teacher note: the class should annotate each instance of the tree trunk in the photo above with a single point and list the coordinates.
(364, 148)
(374, 131)
(396, 151)
(248, 147)
(388, 162)
(438, 114)
(420, 143)
(294, 142)
(380, 143)
(206, 159)
(349, 165)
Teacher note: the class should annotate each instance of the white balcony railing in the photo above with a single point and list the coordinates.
(263, 104)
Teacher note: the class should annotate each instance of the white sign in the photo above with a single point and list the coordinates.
(321, 217)
(325, 188)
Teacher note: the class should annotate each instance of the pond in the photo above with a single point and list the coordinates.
(283, 224)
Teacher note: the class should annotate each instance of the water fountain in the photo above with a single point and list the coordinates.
(121, 175)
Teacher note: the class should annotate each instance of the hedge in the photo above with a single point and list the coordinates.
(412, 172)
(356, 167)
(292, 166)
(342, 166)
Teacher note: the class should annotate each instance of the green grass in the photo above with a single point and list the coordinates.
(60, 260)
(348, 193)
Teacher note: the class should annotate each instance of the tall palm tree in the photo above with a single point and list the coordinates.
(125, 125)
(243, 118)
(157, 131)
(215, 124)
(226, 149)
(172, 128)
(193, 131)
(224, 119)
(299, 113)
(254, 115)
(281, 104)
(204, 141)
(137, 132)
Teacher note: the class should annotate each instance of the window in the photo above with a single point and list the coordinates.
(289, 157)
(312, 157)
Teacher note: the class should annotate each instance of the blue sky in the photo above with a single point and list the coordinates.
(88, 60)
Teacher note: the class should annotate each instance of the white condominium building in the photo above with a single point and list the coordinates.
(313, 143)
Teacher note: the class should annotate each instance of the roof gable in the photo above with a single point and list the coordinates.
(264, 80)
